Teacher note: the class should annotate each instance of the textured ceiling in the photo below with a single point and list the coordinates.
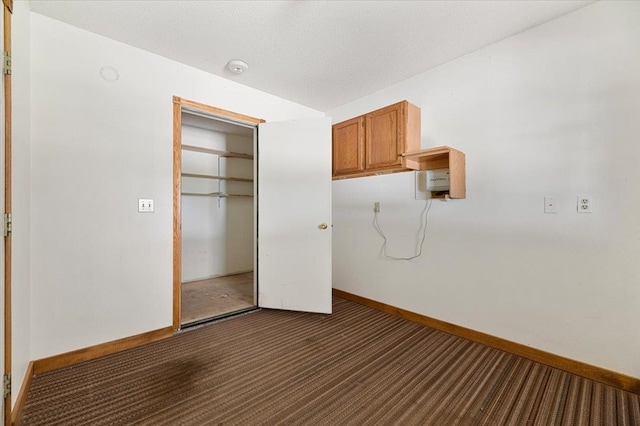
(321, 54)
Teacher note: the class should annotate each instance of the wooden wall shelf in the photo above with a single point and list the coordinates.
(441, 157)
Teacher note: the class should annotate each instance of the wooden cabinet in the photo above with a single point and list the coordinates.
(374, 143)
(348, 146)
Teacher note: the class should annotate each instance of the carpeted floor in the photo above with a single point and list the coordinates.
(357, 366)
(216, 296)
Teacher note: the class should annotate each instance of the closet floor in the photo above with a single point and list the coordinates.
(216, 296)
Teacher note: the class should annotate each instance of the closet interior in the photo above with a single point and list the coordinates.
(218, 212)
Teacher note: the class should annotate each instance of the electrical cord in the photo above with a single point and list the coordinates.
(423, 227)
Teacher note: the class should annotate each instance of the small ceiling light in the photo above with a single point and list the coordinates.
(237, 66)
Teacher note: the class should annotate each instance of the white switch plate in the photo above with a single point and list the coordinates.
(585, 204)
(145, 205)
(550, 204)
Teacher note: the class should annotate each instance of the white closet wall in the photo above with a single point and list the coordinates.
(217, 233)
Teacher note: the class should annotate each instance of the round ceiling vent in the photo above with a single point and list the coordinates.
(109, 74)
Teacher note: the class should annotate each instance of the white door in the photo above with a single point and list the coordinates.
(294, 215)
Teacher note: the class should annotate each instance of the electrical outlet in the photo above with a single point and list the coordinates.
(585, 204)
(145, 205)
(376, 207)
(550, 204)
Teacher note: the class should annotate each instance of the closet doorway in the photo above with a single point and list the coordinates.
(217, 213)
(279, 222)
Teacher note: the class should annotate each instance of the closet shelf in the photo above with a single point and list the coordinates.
(216, 194)
(235, 179)
(217, 152)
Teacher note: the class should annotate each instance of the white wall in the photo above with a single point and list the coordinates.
(217, 233)
(21, 195)
(551, 111)
(100, 270)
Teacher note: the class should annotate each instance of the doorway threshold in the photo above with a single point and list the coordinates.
(216, 318)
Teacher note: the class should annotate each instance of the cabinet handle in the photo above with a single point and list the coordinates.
(323, 226)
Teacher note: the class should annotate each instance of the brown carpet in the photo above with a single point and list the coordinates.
(216, 296)
(357, 366)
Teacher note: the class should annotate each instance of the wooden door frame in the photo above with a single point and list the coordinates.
(178, 105)
(7, 400)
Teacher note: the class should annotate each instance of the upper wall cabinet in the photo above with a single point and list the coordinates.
(348, 146)
(374, 143)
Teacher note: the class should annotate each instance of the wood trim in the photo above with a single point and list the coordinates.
(217, 111)
(7, 205)
(458, 184)
(611, 378)
(376, 172)
(85, 354)
(177, 223)
(178, 104)
(16, 412)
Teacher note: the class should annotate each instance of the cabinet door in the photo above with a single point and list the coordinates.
(294, 215)
(384, 137)
(348, 146)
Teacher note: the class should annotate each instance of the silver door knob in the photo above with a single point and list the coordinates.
(323, 226)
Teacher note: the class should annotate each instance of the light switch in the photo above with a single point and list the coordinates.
(550, 204)
(145, 205)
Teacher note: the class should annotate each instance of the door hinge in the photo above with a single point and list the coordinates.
(6, 63)
(6, 385)
(8, 224)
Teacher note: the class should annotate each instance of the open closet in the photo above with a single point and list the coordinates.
(251, 213)
(217, 215)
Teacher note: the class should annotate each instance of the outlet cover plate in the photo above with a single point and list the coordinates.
(585, 204)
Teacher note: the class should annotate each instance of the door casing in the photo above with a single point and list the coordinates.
(178, 105)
